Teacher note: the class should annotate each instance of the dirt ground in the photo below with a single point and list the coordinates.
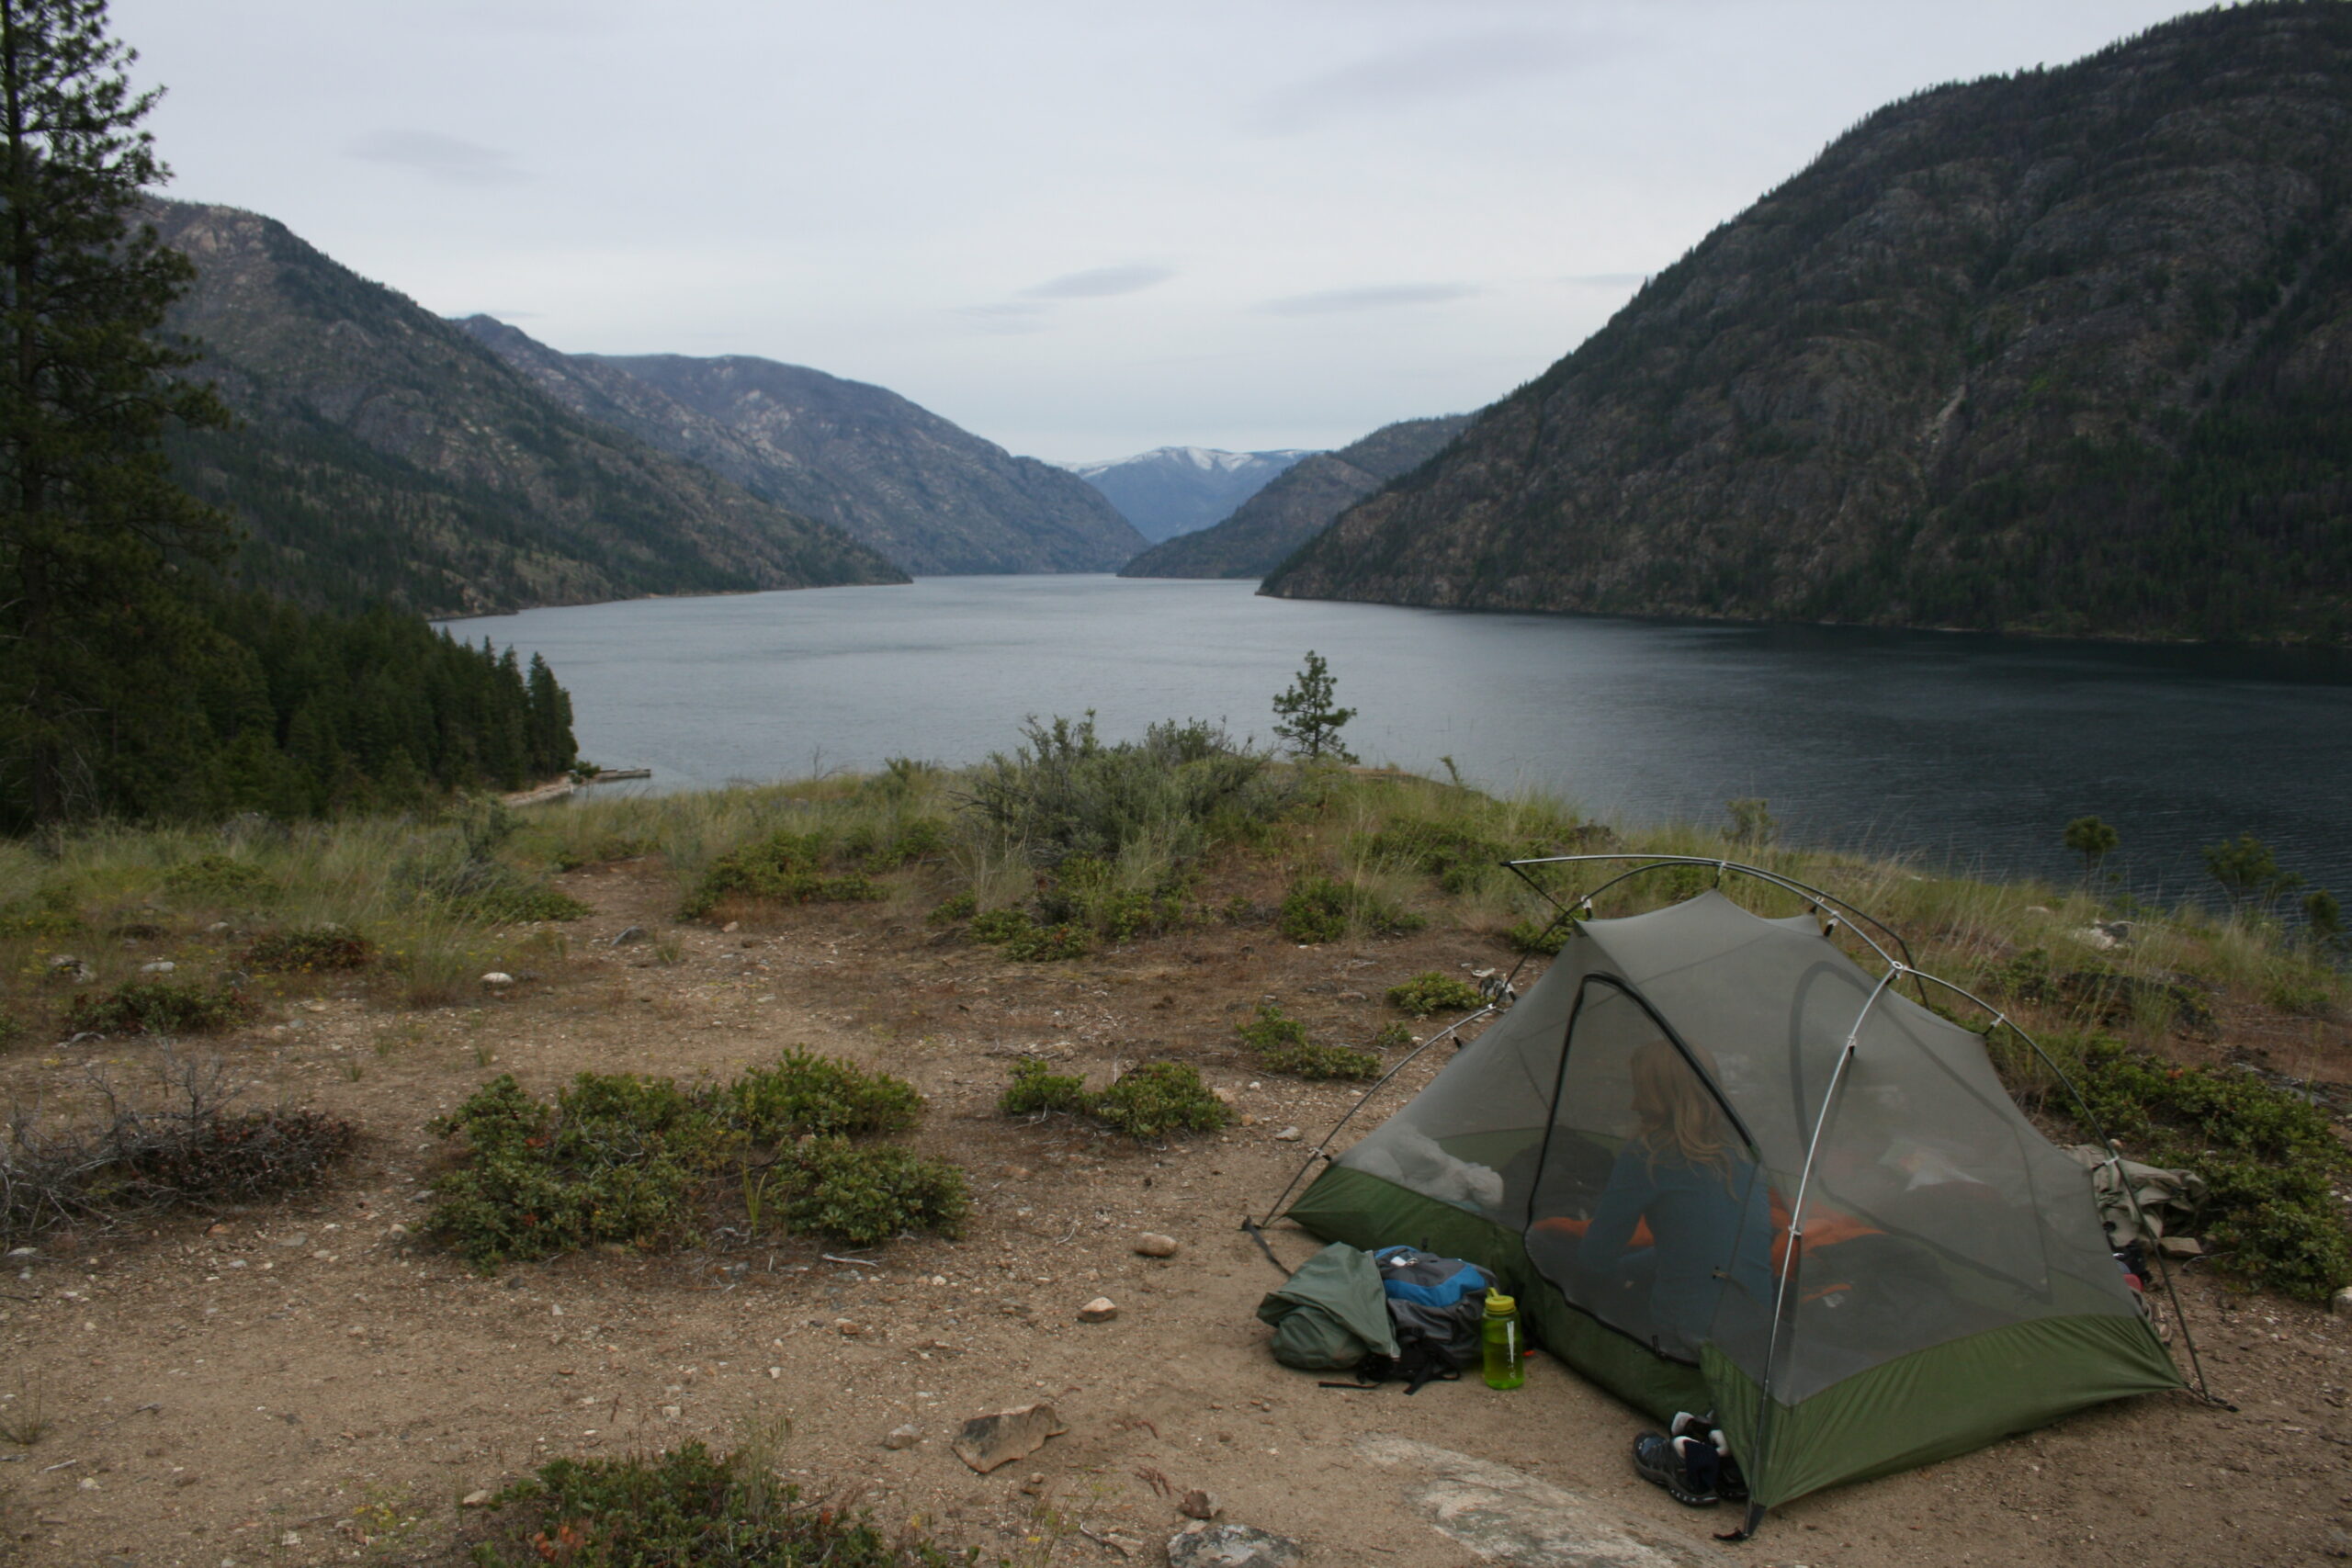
(304, 1383)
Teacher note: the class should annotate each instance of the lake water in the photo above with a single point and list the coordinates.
(1975, 751)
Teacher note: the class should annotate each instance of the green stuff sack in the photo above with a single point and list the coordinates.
(1333, 1313)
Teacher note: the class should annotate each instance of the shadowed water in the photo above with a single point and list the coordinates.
(1974, 749)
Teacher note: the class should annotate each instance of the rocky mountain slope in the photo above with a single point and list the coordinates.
(384, 454)
(1298, 504)
(932, 497)
(1175, 489)
(2067, 351)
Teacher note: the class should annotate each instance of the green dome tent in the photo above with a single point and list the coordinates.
(1725, 1168)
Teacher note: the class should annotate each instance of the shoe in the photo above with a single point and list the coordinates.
(1730, 1485)
(1655, 1462)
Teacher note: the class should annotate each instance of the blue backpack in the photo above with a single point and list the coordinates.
(1435, 1305)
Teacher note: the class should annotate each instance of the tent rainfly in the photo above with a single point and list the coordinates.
(1725, 1168)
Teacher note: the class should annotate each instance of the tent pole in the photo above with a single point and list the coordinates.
(1794, 1258)
(1789, 884)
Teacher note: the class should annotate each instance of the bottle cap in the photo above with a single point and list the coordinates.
(1498, 1304)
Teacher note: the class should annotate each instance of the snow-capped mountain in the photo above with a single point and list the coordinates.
(1176, 490)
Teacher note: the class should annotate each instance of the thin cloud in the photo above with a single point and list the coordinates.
(1100, 282)
(1426, 73)
(1379, 298)
(449, 159)
(1606, 280)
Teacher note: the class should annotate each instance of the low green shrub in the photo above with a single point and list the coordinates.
(961, 907)
(309, 949)
(1036, 1090)
(1281, 1044)
(805, 1093)
(1022, 939)
(1543, 936)
(159, 1007)
(616, 1160)
(221, 879)
(600, 849)
(1272, 1030)
(685, 1506)
(863, 1194)
(1320, 908)
(2269, 1159)
(1316, 1061)
(21, 919)
(816, 866)
(486, 891)
(1432, 992)
(1392, 1036)
(1159, 1098)
(640, 1161)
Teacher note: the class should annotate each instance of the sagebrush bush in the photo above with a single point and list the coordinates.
(1159, 1098)
(159, 1007)
(866, 1193)
(1036, 1090)
(1180, 789)
(1433, 991)
(685, 1506)
(309, 949)
(805, 1093)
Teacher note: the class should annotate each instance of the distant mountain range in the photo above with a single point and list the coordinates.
(384, 454)
(1298, 504)
(2068, 351)
(931, 497)
(1175, 489)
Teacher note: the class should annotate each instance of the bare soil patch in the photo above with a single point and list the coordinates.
(304, 1383)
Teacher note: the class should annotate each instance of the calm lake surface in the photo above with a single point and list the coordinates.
(1972, 750)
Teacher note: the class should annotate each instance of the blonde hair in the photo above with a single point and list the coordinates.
(1674, 1114)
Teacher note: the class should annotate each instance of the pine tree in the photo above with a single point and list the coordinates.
(1305, 716)
(92, 529)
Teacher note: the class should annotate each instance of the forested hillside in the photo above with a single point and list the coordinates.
(2067, 350)
(293, 713)
(1298, 504)
(383, 455)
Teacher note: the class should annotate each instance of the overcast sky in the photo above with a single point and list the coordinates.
(1082, 229)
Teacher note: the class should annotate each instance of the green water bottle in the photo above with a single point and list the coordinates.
(1498, 1337)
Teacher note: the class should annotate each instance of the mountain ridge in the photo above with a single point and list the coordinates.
(1173, 490)
(383, 456)
(2067, 351)
(915, 486)
(1297, 504)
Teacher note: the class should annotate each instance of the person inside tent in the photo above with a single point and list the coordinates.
(1685, 1213)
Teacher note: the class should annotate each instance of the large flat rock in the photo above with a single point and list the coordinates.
(1508, 1515)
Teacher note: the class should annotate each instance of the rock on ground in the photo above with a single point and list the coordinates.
(1510, 1517)
(1231, 1546)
